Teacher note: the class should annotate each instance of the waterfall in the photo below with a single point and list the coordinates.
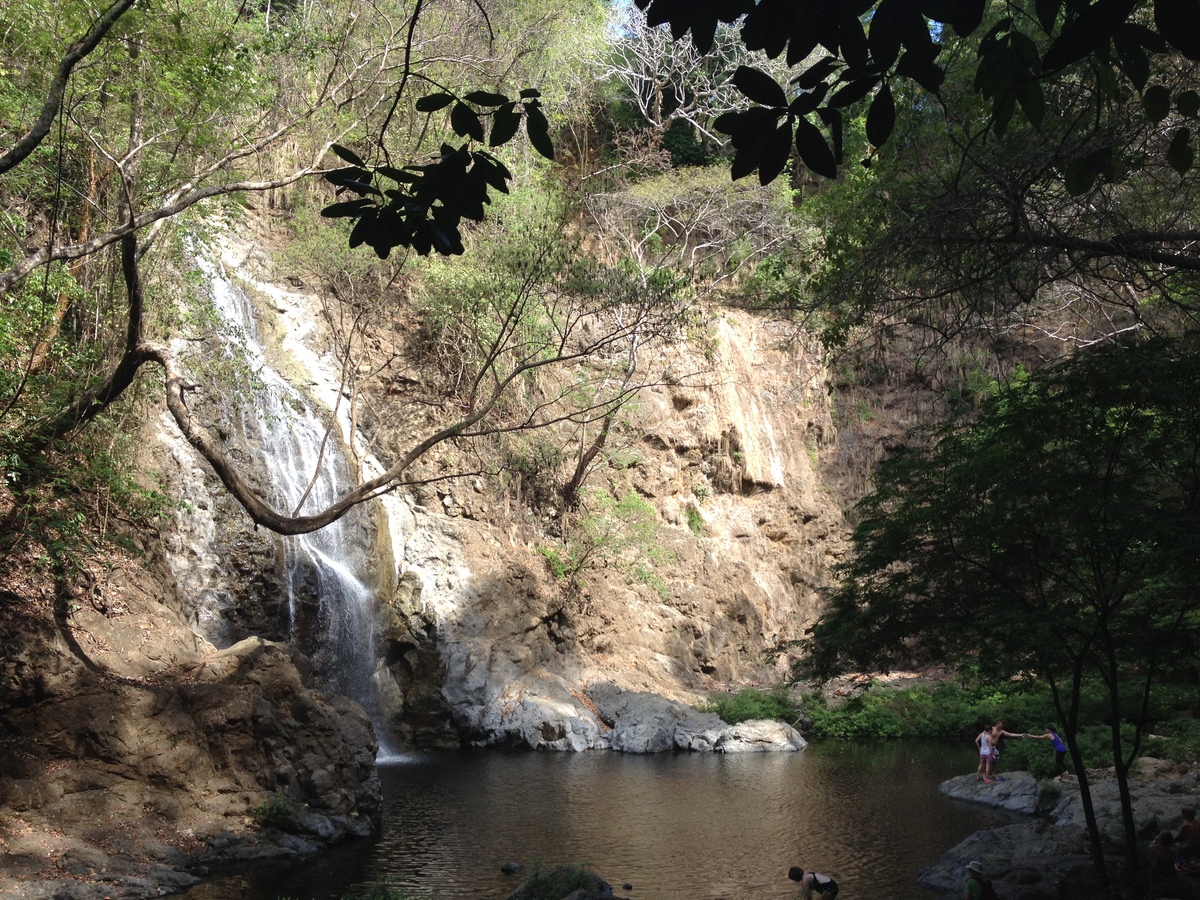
(329, 606)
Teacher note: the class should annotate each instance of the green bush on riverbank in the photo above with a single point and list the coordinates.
(749, 703)
(953, 712)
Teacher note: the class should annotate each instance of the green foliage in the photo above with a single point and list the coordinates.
(560, 565)
(997, 547)
(622, 533)
(277, 811)
(951, 711)
(750, 703)
(695, 521)
(680, 141)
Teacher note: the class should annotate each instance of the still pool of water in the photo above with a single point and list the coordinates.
(674, 826)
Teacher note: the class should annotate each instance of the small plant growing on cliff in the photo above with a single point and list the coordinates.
(556, 561)
(277, 811)
(609, 532)
(694, 521)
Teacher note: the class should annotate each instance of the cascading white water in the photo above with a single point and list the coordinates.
(306, 462)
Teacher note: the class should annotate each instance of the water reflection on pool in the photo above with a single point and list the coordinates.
(695, 826)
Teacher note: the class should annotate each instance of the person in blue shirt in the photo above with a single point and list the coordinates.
(1060, 750)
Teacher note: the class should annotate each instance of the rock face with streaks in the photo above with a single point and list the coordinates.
(477, 642)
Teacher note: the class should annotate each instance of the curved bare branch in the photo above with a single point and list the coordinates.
(58, 85)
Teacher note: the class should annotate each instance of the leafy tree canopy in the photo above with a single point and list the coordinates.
(1066, 516)
(1058, 535)
(853, 50)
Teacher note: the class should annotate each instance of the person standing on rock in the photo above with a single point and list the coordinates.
(1060, 750)
(814, 884)
(984, 742)
(997, 733)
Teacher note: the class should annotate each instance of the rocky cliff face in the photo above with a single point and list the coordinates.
(152, 718)
(475, 640)
(131, 751)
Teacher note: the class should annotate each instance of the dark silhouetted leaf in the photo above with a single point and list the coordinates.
(348, 155)
(747, 157)
(486, 98)
(1091, 29)
(928, 75)
(1146, 37)
(808, 101)
(398, 175)
(1002, 113)
(813, 150)
(1025, 52)
(1179, 154)
(1047, 13)
(347, 209)
(466, 122)
(745, 123)
(505, 122)
(881, 117)
(833, 121)
(1032, 100)
(1179, 22)
(434, 102)
(776, 152)
(1188, 104)
(348, 176)
(759, 87)
(1156, 101)
(1135, 62)
(854, 91)
(816, 73)
(362, 231)
(1079, 177)
(853, 40)
(968, 15)
(887, 30)
(538, 130)
(530, 94)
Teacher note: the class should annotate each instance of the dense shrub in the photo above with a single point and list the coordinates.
(749, 703)
(954, 712)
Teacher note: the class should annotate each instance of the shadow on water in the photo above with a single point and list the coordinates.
(695, 826)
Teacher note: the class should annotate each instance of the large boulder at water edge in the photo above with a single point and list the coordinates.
(1033, 859)
(1015, 791)
(642, 722)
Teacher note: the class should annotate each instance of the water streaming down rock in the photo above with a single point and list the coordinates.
(329, 605)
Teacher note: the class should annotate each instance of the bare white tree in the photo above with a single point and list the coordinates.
(669, 80)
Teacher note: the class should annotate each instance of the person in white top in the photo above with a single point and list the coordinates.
(984, 742)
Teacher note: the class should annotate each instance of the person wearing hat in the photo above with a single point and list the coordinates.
(814, 884)
(978, 887)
